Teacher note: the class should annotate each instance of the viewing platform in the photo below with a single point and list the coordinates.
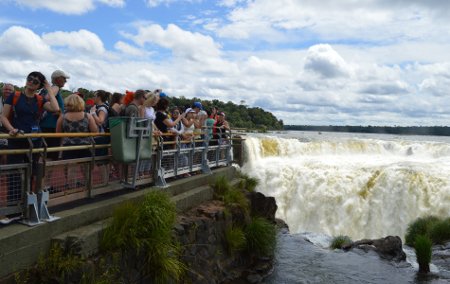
(57, 198)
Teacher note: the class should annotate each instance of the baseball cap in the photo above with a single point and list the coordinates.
(188, 110)
(221, 113)
(162, 95)
(59, 73)
(198, 104)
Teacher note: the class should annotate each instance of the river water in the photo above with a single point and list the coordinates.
(359, 185)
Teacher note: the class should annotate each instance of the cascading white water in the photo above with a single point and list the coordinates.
(360, 187)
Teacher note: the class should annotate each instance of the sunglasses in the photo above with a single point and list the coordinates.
(33, 80)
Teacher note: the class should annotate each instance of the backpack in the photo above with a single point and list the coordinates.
(12, 112)
(109, 113)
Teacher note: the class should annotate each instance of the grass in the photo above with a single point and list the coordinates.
(261, 237)
(422, 247)
(142, 233)
(236, 196)
(221, 186)
(420, 226)
(248, 183)
(339, 241)
(235, 238)
(59, 266)
(437, 230)
(440, 231)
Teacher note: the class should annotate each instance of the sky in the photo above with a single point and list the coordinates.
(309, 62)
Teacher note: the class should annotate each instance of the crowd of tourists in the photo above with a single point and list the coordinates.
(39, 107)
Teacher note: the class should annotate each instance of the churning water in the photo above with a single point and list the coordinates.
(359, 185)
(369, 186)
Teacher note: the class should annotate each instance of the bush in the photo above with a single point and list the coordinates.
(421, 226)
(221, 186)
(236, 196)
(235, 238)
(142, 233)
(339, 241)
(261, 237)
(440, 231)
(422, 247)
(248, 183)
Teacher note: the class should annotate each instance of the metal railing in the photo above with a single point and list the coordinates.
(29, 188)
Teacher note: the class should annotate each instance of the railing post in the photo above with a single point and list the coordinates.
(32, 214)
(205, 165)
(90, 169)
(159, 171)
(42, 199)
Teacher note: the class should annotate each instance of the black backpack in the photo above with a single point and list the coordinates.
(109, 112)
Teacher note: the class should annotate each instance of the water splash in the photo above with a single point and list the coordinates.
(363, 188)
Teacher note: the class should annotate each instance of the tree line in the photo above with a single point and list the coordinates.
(400, 130)
(238, 115)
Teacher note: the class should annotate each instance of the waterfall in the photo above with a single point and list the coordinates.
(360, 187)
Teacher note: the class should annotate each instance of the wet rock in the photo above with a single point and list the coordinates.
(261, 205)
(389, 248)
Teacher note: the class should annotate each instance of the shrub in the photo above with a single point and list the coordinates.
(421, 226)
(221, 186)
(339, 241)
(422, 246)
(261, 237)
(235, 238)
(142, 233)
(440, 231)
(248, 183)
(236, 196)
(59, 265)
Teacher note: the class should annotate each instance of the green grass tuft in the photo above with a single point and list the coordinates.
(143, 233)
(236, 196)
(422, 247)
(248, 183)
(235, 238)
(421, 226)
(221, 186)
(261, 237)
(440, 231)
(339, 241)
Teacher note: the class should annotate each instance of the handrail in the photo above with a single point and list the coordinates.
(52, 184)
(54, 135)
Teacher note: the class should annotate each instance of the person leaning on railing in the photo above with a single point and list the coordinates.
(21, 114)
(75, 120)
(162, 120)
(7, 90)
(220, 128)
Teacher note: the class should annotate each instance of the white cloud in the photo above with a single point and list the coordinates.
(82, 41)
(258, 66)
(128, 49)
(69, 7)
(229, 3)
(22, 43)
(76, 7)
(324, 60)
(156, 3)
(184, 44)
(113, 3)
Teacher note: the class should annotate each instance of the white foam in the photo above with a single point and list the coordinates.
(363, 188)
